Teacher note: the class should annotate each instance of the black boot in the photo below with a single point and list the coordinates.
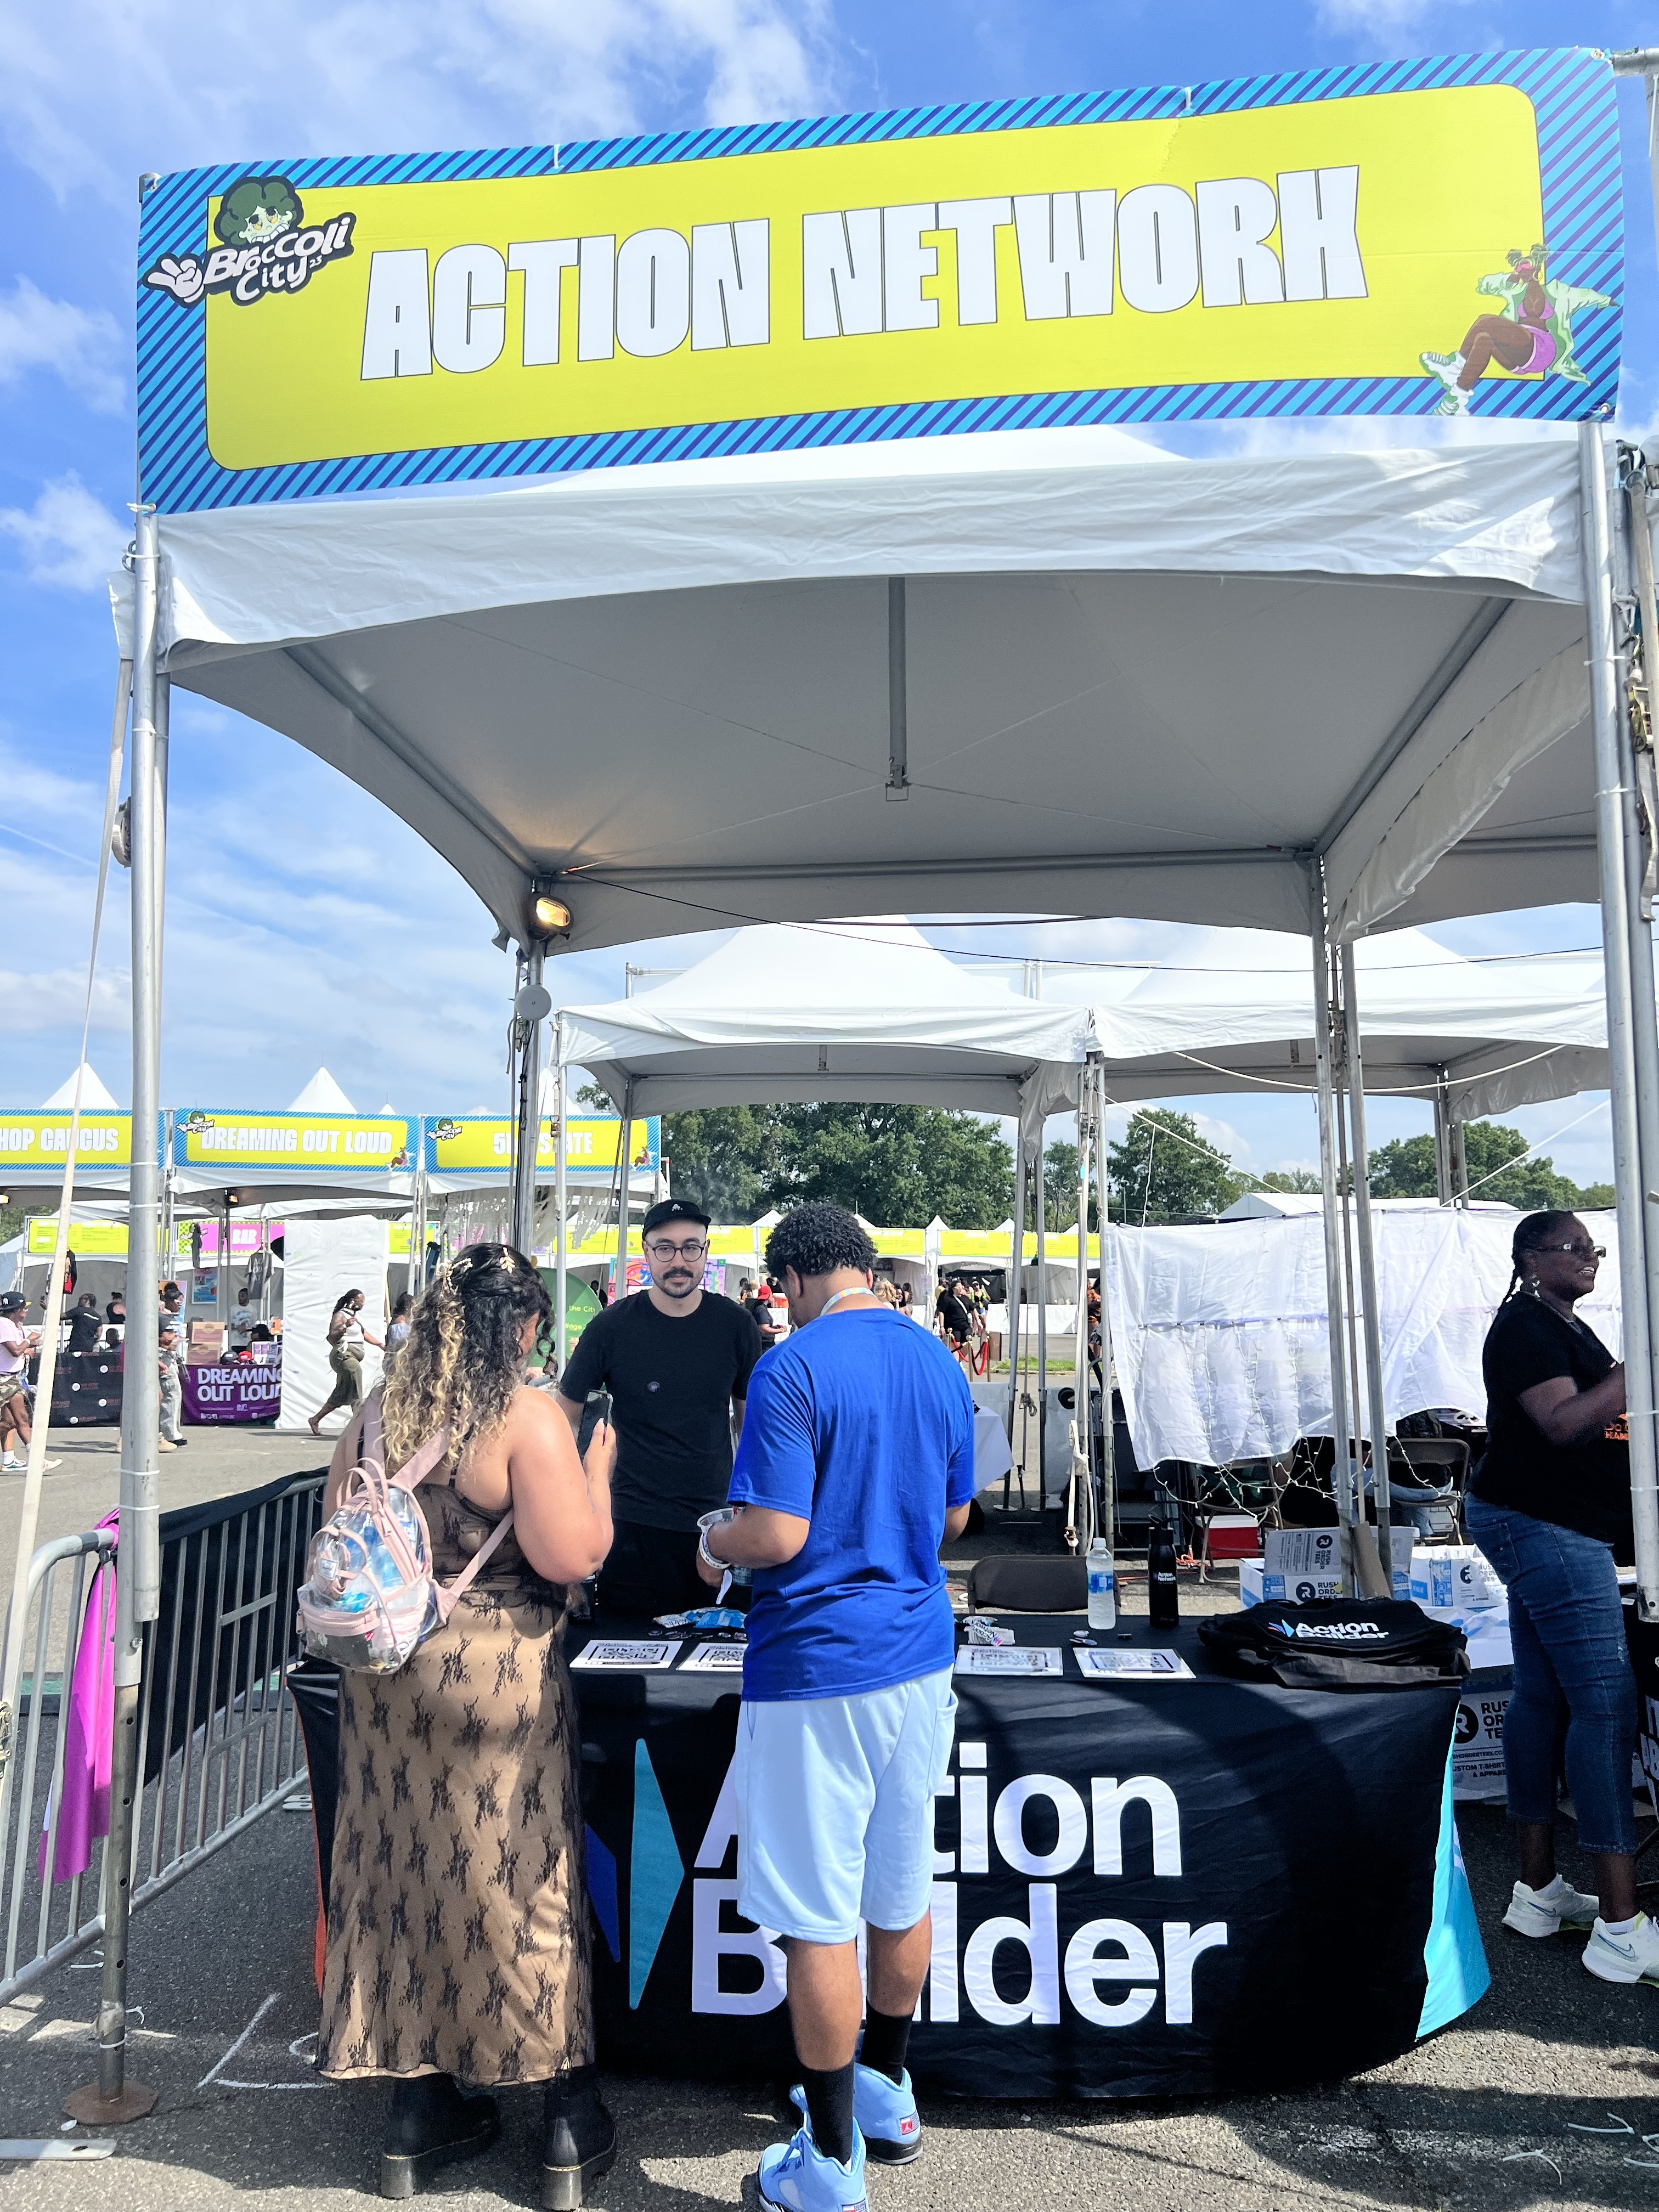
(580, 2139)
(432, 2125)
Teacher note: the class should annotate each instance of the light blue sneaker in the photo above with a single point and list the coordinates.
(884, 2114)
(797, 2176)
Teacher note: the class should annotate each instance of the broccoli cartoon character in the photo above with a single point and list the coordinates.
(264, 246)
(256, 208)
(1531, 334)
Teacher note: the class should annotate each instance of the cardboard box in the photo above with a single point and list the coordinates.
(1454, 1578)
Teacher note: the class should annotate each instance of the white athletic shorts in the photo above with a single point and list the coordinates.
(836, 1802)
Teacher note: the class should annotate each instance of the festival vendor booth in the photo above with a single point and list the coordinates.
(800, 570)
(1236, 1012)
(863, 1011)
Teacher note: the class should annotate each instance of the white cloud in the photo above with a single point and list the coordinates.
(69, 540)
(1379, 19)
(173, 88)
(84, 348)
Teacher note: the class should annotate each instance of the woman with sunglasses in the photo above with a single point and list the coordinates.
(1550, 1507)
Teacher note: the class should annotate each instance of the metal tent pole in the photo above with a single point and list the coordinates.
(1629, 1180)
(1041, 1181)
(1442, 1177)
(560, 1254)
(1016, 1276)
(1081, 1455)
(531, 1008)
(1334, 1303)
(1634, 543)
(624, 1203)
(1108, 1439)
(112, 2097)
(1368, 1292)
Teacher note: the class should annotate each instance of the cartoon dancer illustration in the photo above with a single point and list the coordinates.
(1531, 336)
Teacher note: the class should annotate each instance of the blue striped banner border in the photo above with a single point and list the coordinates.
(1572, 96)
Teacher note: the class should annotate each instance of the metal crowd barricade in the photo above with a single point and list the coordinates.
(219, 1743)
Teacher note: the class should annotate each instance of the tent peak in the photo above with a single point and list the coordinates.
(94, 1098)
(322, 1095)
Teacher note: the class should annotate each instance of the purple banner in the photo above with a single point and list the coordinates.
(234, 1392)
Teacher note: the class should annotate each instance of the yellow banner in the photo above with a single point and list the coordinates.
(467, 1144)
(1333, 238)
(41, 1140)
(297, 1143)
(88, 1240)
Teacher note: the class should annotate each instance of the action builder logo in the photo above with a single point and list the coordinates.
(266, 245)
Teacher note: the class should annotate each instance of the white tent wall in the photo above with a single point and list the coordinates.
(1221, 1341)
(323, 1259)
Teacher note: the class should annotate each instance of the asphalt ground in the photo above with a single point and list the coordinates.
(226, 2012)
(1494, 2111)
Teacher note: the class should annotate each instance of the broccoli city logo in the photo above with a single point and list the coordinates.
(266, 244)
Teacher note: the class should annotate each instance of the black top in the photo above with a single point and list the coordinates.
(672, 1380)
(85, 1329)
(955, 1315)
(1584, 1486)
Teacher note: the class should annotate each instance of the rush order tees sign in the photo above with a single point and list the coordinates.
(1432, 237)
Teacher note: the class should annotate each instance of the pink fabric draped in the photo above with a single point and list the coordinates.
(83, 1810)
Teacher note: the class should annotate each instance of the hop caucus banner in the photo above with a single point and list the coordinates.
(1430, 237)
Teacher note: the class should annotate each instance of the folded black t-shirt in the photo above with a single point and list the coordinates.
(672, 1379)
(1586, 1486)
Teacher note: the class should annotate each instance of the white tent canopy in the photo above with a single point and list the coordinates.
(1158, 690)
(1235, 1012)
(834, 1011)
(322, 1095)
(94, 1097)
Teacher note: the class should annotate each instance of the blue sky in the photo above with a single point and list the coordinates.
(305, 924)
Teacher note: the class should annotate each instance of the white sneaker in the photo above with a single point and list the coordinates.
(12, 1465)
(1446, 369)
(1533, 1913)
(1629, 1958)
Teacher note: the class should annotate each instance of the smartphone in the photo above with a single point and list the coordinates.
(599, 1406)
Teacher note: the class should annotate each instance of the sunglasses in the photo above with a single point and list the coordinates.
(1579, 1251)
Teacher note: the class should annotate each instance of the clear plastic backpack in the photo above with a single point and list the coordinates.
(369, 1597)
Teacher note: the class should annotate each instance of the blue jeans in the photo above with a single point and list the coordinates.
(1575, 1694)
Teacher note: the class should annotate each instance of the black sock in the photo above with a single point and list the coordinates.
(886, 2039)
(829, 2107)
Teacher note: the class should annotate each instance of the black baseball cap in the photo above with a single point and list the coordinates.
(13, 1301)
(669, 1210)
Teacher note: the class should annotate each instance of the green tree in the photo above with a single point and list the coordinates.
(895, 1163)
(1404, 1168)
(724, 1159)
(1163, 1171)
(1060, 1189)
(1289, 1179)
(11, 1221)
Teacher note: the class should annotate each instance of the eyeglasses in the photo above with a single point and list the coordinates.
(677, 1251)
(1579, 1251)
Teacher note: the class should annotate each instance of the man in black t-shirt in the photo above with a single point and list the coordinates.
(677, 1361)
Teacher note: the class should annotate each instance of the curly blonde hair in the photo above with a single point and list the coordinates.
(462, 1361)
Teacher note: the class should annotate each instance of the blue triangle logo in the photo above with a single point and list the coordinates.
(656, 1872)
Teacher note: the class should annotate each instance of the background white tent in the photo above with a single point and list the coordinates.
(94, 1097)
(1221, 1335)
(832, 1011)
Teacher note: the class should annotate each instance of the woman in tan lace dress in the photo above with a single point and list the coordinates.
(457, 1949)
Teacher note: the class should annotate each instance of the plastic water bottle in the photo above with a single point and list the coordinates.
(1102, 1586)
(1162, 1592)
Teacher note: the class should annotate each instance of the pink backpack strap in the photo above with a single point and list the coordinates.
(409, 1477)
(449, 1594)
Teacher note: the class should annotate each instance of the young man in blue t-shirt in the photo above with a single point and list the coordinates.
(856, 1461)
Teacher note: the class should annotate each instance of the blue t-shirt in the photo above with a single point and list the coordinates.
(862, 1424)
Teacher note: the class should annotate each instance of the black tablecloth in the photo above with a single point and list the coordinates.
(1249, 1869)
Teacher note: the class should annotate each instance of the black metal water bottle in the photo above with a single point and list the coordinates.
(1164, 1598)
